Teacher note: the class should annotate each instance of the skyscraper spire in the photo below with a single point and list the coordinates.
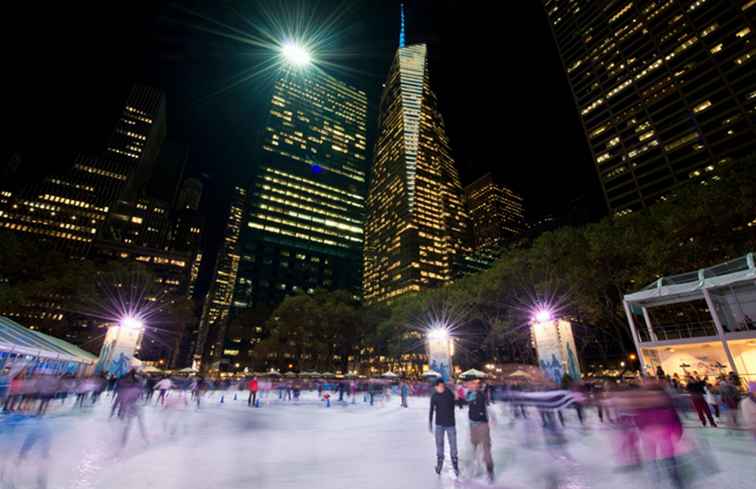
(401, 28)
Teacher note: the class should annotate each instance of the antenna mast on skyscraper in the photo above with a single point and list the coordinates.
(401, 28)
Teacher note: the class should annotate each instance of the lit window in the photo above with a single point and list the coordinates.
(702, 106)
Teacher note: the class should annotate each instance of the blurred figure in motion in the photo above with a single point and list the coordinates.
(442, 405)
(404, 393)
(711, 395)
(697, 389)
(149, 388)
(748, 410)
(99, 384)
(47, 386)
(199, 388)
(29, 429)
(730, 396)
(163, 386)
(129, 392)
(480, 433)
(660, 431)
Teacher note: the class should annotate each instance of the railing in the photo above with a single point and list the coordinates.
(683, 330)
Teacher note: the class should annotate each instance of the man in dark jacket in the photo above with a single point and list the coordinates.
(442, 404)
(697, 388)
(480, 434)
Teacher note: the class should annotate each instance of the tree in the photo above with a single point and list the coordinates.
(313, 331)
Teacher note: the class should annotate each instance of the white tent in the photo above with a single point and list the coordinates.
(473, 374)
(390, 375)
(432, 373)
(520, 373)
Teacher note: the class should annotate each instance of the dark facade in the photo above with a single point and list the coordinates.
(70, 208)
(217, 305)
(666, 90)
(416, 234)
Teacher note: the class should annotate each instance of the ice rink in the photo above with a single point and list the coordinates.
(306, 445)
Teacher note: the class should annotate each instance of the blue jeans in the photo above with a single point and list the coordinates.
(451, 433)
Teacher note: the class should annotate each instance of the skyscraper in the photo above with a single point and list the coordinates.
(666, 90)
(304, 227)
(217, 305)
(69, 209)
(497, 213)
(416, 234)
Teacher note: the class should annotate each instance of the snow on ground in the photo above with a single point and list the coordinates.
(306, 445)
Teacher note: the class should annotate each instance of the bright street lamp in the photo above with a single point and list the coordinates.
(296, 54)
(438, 334)
(131, 322)
(542, 316)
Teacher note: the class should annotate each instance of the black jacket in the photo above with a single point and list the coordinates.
(477, 407)
(443, 405)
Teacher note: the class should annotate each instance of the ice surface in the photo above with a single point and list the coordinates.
(306, 445)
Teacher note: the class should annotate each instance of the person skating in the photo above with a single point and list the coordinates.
(480, 433)
(748, 410)
(404, 392)
(696, 388)
(442, 405)
(163, 386)
(252, 386)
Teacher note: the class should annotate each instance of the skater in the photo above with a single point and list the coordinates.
(149, 388)
(163, 386)
(252, 386)
(480, 433)
(729, 395)
(711, 395)
(404, 392)
(748, 410)
(696, 388)
(129, 390)
(442, 404)
(199, 388)
(660, 430)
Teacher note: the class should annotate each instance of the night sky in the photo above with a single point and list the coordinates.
(67, 67)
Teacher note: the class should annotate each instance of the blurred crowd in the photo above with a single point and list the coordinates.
(649, 418)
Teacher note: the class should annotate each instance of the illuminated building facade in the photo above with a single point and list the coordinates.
(119, 206)
(497, 214)
(416, 234)
(304, 227)
(666, 90)
(217, 304)
(70, 208)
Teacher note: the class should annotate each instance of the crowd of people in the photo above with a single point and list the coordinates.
(647, 416)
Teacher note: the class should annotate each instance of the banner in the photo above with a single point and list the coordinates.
(117, 353)
(439, 355)
(555, 347)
